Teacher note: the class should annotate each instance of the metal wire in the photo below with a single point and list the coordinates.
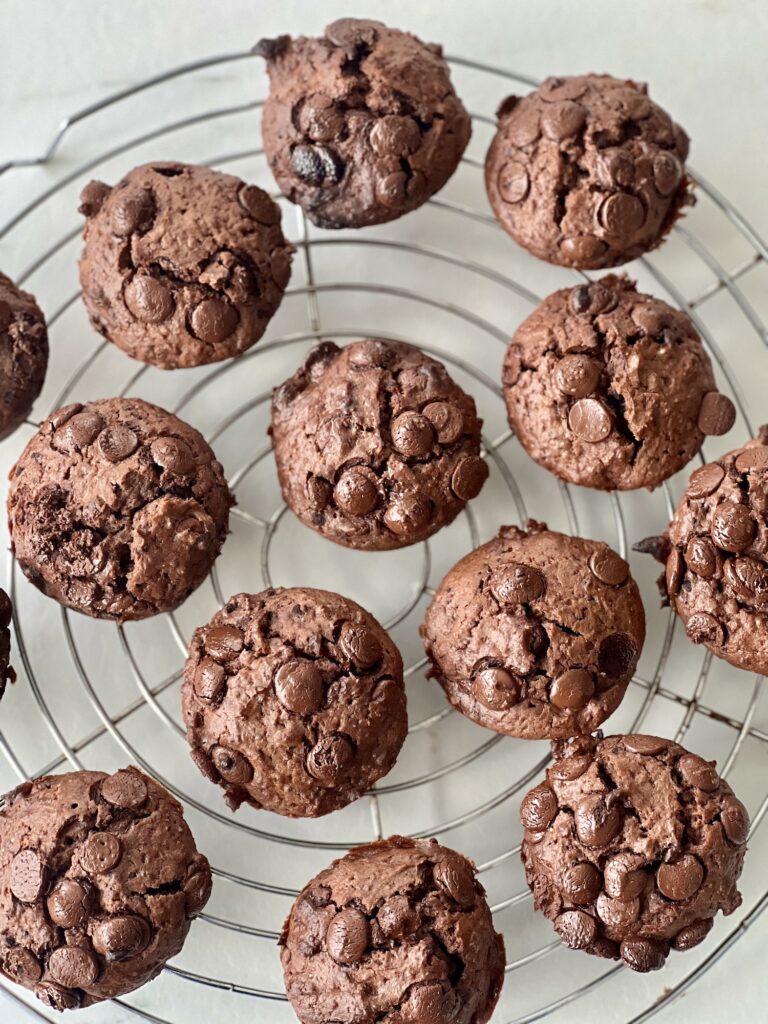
(312, 251)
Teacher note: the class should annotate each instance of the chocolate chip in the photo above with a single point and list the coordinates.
(454, 875)
(748, 580)
(391, 190)
(121, 937)
(56, 997)
(657, 547)
(582, 250)
(209, 680)
(581, 883)
(330, 758)
(392, 135)
(538, 808)
(577, 375)
(231, 765)
(692, 935)
(92, 198)
(617, 914)
(639, 743)
(680, 879)
(705, 481)
(132, 210)
(733, 527)
(299, 686)
(356, 492)
(566, 769)
(224, 642)
(79, 431)
(580, 299)
(673, 573)
(589, 420)
(608, 567)
(717, 414)
(513, 182)
(642, 954)
(408, 513)
(735, 820)
(70, 903)
(397, 918)
(117, 442)
(524, 126)
(704, 628)
(576, 928)
(258, 205)
(623, 878)
(468, 477)
(495, 688)
(516, 583)
(562, 120)
(100, 852)
(125, 788)
(353, 32)
(412, 434)
(572, 690)
(22, 966)
(73, 967)
(149, 299)
(597, 822)
(695, 771)
(347, 936)
(173, 455)
(316, 165)
(197, 892)
(318, 491)
(447, 420)
(319, 118)
(27, 876)
(617, 656)
(622, 215)
(701, 557)
(214, 320)
(752, 458)
(667, 173)
(360, 646)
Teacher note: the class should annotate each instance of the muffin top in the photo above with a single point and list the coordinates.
(23, 354)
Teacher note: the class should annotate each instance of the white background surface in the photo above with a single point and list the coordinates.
(705, 62)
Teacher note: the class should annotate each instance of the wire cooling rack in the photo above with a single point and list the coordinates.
(445, 278)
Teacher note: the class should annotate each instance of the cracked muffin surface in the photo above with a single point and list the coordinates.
(23, 354)
(587, 171)
(609, 388)
(536, 634)
(716, 555)
(361, 125)
(396, 932)
(99, 880)
(632, 846)
(117, 509)
(182, 265)
(294, 701)
(376, 446)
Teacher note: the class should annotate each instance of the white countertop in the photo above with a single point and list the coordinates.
(704, 60)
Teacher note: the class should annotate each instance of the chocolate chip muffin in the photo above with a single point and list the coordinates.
(7, 674)
(716, 555)
(23, 354)
(536, 634)
(294, 701)
(397, 931)
(587, 171)
(182, 265)
(117, 509)
(99, 880)
(631, 847)
(361, 125)
(609, 388)
(376, 446)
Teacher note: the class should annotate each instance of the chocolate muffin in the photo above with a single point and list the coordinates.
(631, 847)
(23, 354)
(7, 674)
(376, 446)
(361, 125)
(536, 634)
(587, 171)
(397, 931)
(609, 388)
(117, 509)
(716, 555)
(294, 701)
(99, 880)
(182, 265)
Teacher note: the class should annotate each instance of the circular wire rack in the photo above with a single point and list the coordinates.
(447, 279)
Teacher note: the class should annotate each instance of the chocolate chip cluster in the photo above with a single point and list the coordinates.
(294, 701)
(401, 930)
(586, 171)
(631, 847)
(99, 879)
